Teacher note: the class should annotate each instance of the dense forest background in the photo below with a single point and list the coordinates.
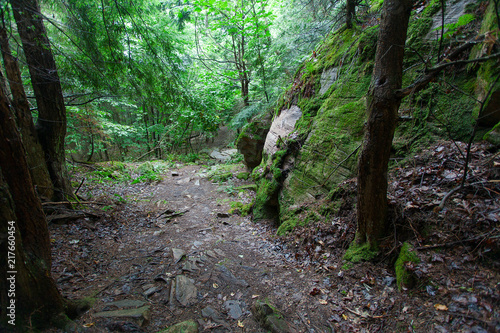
(141, 79)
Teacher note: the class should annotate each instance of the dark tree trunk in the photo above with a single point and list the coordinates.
(350, 13)
(36, 296)
(35, 155)
(51, 123)
(383, 107)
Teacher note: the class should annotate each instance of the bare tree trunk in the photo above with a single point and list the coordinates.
(382, 117)
(350, 13)
(35, 155)
(51, 123)
(37, 299)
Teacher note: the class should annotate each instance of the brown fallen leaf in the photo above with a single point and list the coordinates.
(441, 307)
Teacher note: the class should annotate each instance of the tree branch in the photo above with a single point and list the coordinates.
(434, 71)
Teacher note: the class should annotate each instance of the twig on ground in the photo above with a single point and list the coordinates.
(363, 315)
(434, 246)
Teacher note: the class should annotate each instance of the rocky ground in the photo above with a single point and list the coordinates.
(179, 251)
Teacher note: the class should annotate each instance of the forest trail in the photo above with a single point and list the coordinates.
(175, 250)
(164, 252)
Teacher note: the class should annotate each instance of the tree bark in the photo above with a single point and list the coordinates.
(350, 13)
(51, 123)
(37, 298)
(382, 110)
(35, 155)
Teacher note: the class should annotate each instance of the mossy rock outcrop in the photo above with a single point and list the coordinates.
(330, 89)
(252, 138)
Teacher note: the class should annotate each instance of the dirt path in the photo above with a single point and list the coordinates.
(168, 252)
(204, 264)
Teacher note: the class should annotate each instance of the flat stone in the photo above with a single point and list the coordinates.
(227, 276)
(210, 313)
(127, 303)
(224, 155)
(185, 290)
(197, 243)
(183, 181)
(139, 313)
(189, 326)
(219, 252)
(120, 326)
(269, 319)
(189, 266)
(178, 254)
(211, 253)
(151, 291)
(233, 309)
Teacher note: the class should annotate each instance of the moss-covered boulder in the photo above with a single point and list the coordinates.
(252, 138)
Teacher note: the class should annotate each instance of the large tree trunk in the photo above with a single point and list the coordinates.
(382, 117)
(35, 155)
(37, 299)
(350, 13)
(51, 122)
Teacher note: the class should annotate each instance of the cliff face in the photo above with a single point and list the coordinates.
(318, 123)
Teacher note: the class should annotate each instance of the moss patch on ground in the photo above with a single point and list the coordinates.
(359, 252)
(404, 275)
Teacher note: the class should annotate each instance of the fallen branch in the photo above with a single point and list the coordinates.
(434, 246)
(456, 189)
(362, 315)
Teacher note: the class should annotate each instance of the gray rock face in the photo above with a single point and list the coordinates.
(451, 15)
(185, 290)
(281, 127)
(328, 78)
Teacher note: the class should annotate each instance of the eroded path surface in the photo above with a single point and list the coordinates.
(154, 255)
(171, 252)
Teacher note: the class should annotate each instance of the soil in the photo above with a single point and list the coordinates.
(143, 240)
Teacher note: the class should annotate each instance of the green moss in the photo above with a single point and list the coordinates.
(493, 135)
(145, 167)
(266, 205)
(292, 218)
(240, 208)
(417, 29)
(359, 252)
(251, 187)
(367, 43)
(376, 5)
(405, 277)
(243, 175)
(431, 9)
